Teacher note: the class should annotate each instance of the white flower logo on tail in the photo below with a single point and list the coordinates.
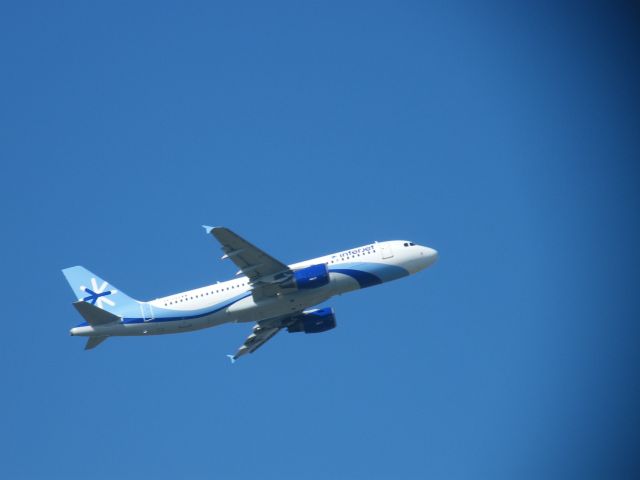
(97, 295)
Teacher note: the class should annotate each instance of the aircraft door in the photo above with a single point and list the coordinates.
(147, 311)
(386, 251)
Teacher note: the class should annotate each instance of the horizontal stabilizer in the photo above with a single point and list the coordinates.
(93, 342)
(92, 289)
(94, 315)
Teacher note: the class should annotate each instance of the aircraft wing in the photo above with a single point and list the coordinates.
(262, 269)
(263, 331)
(258, 337)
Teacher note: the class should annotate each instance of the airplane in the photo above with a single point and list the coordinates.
(273, 295)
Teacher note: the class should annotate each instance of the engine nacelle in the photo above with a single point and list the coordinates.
(311, 277)
(314, 321)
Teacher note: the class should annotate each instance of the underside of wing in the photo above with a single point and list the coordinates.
(316, 320)
(263, 331)
(259, 336)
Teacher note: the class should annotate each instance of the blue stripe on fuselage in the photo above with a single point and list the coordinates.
(218, 307)
(370, 274)
(203, 313)
(364, 279)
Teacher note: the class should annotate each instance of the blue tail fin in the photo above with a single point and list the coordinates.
(90, 288)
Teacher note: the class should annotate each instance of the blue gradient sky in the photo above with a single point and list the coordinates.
(504, 136)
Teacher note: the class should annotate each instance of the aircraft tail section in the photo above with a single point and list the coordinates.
(94, 291)
(93, 315)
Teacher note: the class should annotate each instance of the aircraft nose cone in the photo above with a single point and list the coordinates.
(430, 255)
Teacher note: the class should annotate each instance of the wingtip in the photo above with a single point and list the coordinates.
(232, 358)
(210, 229)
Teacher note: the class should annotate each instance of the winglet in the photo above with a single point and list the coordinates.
(232, 358)
(207, 228)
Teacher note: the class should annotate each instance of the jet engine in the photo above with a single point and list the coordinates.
(314, 321)
(309, 277)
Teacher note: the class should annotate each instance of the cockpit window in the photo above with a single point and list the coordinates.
(406, 244)
(411, 243)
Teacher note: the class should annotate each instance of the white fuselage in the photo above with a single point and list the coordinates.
(232, 301)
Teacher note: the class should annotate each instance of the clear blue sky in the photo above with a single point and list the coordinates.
(505, 136)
